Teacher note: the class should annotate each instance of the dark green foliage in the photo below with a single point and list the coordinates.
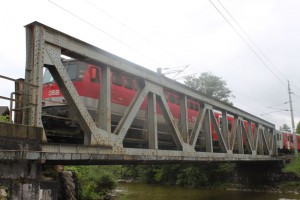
(293, 167)
(167, 173)
(141, 173)
(184, 175)
(285, 127)
(96, 181)
(211, 85)
(298, 128)
(4, 118)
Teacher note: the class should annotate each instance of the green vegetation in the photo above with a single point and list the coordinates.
(298, 128)
(211, 85)
(4, 118)
(293, 167)
(292, 185)
(96, 181)
(204, 175)
(285, 127)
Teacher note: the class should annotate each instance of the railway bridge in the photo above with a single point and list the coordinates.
(145, 132)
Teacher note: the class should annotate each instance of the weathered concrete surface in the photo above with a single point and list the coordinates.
(22, 177)
(20, 131)
(256, 175)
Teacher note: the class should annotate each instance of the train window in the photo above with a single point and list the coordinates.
(47, 77)
(291, 138)
(72, 70)
(129, 83)
(229, 125)
(172, 98)
(196, 107)
(191, 106)
(117, 79)
(82, 68)
(94, 73)
(177, 100)
(135, 84)
(298, 140)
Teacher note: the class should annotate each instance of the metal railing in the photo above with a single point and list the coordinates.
(16, 103)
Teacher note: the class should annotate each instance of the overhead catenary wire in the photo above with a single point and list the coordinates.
(104, 32)
(281, 110)
(133, 31)
(255, 45)
(115, 38)
(295, 86)
(252, 41)
(277, 105)
(248, 45)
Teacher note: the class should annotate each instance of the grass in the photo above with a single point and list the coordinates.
(293, 167)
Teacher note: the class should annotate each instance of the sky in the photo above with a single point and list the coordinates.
(251, 44)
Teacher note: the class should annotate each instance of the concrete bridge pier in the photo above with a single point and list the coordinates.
(257, 174)
(20, 176)
(20, 179)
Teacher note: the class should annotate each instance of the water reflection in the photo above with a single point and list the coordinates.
(137, 191)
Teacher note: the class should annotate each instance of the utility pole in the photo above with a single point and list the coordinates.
(293, 124)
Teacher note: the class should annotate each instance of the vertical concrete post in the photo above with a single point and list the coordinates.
(184, 119)
(152, 121)
(11, 172)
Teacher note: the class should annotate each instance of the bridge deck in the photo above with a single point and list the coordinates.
(19, 142)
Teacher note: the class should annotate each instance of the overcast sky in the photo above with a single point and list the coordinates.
(172, 34)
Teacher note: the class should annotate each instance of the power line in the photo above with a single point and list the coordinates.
(295, 86)
(297, 96)
(255, 45)
(106, 33)
(277, 105)
(252, 41)
(180, 71)
(281, 110)
(249, 46)
(251, 107)
(132, 30)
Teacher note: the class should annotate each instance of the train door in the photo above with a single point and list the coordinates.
(279, 138)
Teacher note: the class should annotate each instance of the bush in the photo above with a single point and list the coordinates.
(95, 181)
(4, 118)
(293, 167)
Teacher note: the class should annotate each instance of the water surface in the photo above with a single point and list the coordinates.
(139, 191)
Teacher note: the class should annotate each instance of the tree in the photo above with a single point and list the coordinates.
(285, 127)
(298, 128)
(211, 85)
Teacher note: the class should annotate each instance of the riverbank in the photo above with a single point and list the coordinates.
(228, 176)
(95, 182)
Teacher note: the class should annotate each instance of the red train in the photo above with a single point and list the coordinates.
(285, 142)
(61, 125)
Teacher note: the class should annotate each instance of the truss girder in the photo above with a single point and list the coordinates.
(220, 136)
(93, 135)
(152, 121)
(33, 76)
(185, 134)
(103, 116)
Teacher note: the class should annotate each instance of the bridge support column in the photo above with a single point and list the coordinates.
(21, 178)
(257, 174)
(18, 172)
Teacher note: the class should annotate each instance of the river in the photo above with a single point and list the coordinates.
(139, 191)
